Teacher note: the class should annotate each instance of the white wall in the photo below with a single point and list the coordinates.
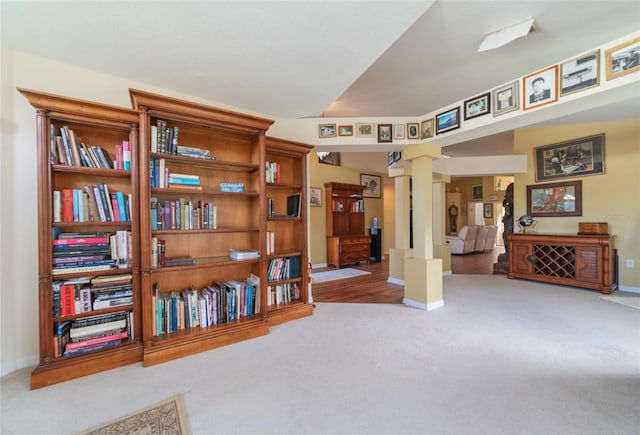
(18, 188)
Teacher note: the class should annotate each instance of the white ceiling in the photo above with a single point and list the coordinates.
(289, 59)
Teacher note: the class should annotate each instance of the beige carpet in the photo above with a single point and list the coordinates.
(165, 418)
(630, 301)
(333, 275)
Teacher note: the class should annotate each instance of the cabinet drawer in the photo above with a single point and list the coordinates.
(360, 247)
(352, 257)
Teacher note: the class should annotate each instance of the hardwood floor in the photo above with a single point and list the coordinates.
(374, 288)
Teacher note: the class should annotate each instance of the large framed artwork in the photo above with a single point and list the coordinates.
(555, 199)
(574, 158)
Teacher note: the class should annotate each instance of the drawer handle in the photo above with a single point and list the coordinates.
(532, 259)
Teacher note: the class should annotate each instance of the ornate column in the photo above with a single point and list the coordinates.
(402, 250)
(423, 272)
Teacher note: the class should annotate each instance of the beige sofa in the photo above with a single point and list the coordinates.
(473, 238)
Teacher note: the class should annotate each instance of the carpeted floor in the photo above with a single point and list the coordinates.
(168, 417)
(630, 301)
(333, 275)
(502, 356)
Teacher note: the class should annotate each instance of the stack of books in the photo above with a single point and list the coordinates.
(91, 333)
(243, 254)
(184, 181)
(82, 252)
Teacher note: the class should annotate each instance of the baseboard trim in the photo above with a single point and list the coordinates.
(395, 281)
(626, 288)
(425, 307)
(319, 266)
(447, 272)
(12, 366)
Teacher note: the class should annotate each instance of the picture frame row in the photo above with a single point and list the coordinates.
(534, 90)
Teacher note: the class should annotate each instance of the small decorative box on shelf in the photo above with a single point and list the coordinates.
(593, 228)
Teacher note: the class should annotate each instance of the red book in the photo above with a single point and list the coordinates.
(67, 300)
(97, 340)
(114, 204)
(67, 205)
(81, 241)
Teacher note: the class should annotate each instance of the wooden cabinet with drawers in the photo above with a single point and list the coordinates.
(346, 240)
(587, 261)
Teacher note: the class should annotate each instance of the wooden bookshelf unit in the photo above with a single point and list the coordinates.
(585, 261)
(93, 124)
(205, 263)
(346, 240)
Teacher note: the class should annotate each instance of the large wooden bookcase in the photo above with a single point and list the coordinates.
(346, 239)
(104, 126)
(200, 225)
(569, 259)
(240, 150)
(286, 233)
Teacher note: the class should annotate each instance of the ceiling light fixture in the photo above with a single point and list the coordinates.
(507, 34)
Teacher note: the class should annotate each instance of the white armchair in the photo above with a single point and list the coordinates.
(464, 242)
(481, 238)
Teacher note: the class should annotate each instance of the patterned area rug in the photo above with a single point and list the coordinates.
(165, 418)
(630, 301)
(332, 275)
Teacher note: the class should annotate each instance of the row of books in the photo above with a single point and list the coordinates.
(283, 268)
(273, 172)
(218, 303)
(91, 204)
(159, 258)
(183, 214)
(356, 206)
(283, 293)
(162, 177)
(91, 334)
(86, 294)
(164, 138)
(91, 252)
(271, 242)
(67, 148)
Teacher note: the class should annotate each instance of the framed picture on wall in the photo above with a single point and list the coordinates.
(315, 197)
(372, 185)
(555, 199)
(574, 158)
(487, 211)
(476, 192)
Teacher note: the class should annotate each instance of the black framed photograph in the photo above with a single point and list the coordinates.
(384, 133)
(623, 59)
(540, 88)
(487, 210)
(372, 185)
(447, 121)
(398, 132)
(345, 130)
(506, 99)
(326, 130)
(477, 106)
(413, 130)
(329, 158)
(574, 158)
(365, 130)
(555, 199)
(580, 73)
(476, 192)
(315, 197)
(427, 128)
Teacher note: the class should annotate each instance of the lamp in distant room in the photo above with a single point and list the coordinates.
(507, 34)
